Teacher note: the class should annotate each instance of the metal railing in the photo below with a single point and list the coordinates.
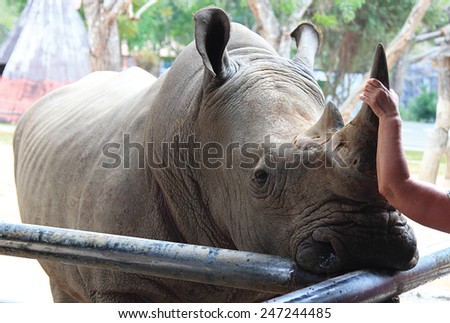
(202, 264)
(372, 286)
(215, 266)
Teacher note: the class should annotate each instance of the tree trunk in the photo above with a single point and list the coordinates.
(285, 42)
(393, 52)
(447, 162)
(104, 43)
(268, 26)
(437, 144)
(400, 71)
(105, 50)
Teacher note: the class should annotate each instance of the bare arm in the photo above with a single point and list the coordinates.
(422, 202)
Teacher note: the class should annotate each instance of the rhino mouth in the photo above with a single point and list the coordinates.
(379, 238)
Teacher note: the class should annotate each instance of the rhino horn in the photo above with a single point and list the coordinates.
(307, 39)
(330, 121)
(212, 33)
(379, 71)
(356, 143)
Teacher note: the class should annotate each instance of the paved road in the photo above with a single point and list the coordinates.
(415, 135)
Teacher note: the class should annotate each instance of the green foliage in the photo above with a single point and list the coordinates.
(351, 30)
(423, 107)
(6, 134)
(128, 29)
(414, 158)
(436, 17)
(348, 9)
(19, 4)
(417, 156)
(404, 113)
(373, 22)
(147, 60)
(284, 8)
(10, 11)
(325, 20)
(169, 23)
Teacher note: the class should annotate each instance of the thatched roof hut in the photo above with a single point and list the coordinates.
(46, 49)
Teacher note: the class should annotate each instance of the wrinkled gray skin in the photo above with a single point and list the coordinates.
(227, 87)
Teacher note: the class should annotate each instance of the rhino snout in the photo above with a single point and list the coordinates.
(378, 239)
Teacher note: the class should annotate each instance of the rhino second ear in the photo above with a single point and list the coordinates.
(307, 38)
(212, 33)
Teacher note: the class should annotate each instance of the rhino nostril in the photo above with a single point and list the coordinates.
(319, 257)
(326, 255)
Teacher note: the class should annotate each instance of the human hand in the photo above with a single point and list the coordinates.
(383, 102)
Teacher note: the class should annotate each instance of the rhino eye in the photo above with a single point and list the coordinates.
(261, 177)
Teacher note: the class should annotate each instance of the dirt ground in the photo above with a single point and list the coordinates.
(23, 280)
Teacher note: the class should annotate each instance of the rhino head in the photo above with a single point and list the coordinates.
(296, 182)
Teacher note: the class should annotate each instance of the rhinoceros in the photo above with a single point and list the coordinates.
(233, 147)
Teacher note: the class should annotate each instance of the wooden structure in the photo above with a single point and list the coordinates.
(46, 49)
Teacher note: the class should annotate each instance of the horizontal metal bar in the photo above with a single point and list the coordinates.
(207, 265)
(216, 266)
(372, 286)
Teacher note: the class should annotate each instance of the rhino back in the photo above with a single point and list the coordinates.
(58, 155)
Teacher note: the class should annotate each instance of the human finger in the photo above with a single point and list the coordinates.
(369, 100)
(376, 83)
(374, 87)
(394, 95)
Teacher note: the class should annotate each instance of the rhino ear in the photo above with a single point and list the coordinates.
(212, 33)
(307, 38)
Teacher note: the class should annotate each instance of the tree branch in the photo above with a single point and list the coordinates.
(141, 10)
(144, 8)
(434, 34)
(429, 54)
(428, 36)
(393, 52)
(267, 23)
(295, 18)
(114, 8)
(405, 35)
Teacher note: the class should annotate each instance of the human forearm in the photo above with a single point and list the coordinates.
(424, 203)
(420, 201)
(392, 168)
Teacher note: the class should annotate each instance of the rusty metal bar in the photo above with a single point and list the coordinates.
(372, 286)
(208, 265)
